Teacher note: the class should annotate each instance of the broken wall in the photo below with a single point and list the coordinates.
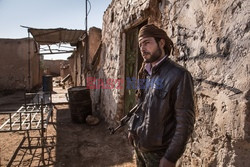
(95, 36)
(212, 41)
(53, 66)
(14, 64)
(75, 65)
(80, 64)
(64, 70)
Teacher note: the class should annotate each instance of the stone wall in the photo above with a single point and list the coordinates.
(119, 16)
(14, 64)
(212, 41)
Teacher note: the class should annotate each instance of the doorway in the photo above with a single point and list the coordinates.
(133, 62)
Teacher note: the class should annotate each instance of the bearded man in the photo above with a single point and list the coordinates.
(162, 126)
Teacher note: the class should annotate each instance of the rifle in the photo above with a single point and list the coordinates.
(125, 119)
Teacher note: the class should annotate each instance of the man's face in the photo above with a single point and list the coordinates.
(150, 50)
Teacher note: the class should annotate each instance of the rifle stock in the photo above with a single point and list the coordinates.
(125, 119)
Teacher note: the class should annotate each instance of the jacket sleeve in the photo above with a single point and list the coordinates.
(184, 116)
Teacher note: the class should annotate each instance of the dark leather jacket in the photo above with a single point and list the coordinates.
(166, 119)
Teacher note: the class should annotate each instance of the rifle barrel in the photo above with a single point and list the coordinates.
(125, 119)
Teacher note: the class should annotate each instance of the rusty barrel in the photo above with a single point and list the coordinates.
(79, 103)
(47, 83)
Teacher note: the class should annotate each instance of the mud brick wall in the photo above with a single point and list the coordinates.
(14, 64)
(53, 66)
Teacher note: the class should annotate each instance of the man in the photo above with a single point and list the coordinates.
(162, 126)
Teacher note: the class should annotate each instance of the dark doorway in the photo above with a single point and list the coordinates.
(133, 61)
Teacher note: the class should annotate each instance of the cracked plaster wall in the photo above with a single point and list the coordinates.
(212, 41)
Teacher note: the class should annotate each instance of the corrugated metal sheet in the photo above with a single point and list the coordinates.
(58, 35)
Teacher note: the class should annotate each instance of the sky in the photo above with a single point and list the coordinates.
(68, 14)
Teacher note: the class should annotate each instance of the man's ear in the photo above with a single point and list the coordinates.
(162, 42)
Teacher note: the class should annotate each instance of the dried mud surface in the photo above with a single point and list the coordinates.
(68, 144)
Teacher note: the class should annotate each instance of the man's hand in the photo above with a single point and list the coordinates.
(166, 163)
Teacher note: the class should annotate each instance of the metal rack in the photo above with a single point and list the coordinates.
(33, 116)
(29, 118)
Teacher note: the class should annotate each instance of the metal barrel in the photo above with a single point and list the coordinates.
(47, 83)
(79, 103)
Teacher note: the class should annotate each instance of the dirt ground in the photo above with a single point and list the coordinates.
(68, 144)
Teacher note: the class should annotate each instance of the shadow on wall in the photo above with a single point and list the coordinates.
(101, 77)
(242, 152)
(222, 51)
(220, 85)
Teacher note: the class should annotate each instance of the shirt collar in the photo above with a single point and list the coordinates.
(148, 66)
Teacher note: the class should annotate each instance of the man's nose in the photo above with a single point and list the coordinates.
(142, 48)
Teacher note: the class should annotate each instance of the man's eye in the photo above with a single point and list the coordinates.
(143, 43)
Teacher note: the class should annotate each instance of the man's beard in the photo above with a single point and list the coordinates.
(154, 56)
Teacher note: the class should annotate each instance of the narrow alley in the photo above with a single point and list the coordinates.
(72, 144)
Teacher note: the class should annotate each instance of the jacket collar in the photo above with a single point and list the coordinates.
(152, 70)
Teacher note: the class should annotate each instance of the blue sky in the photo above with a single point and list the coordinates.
(47, 14)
